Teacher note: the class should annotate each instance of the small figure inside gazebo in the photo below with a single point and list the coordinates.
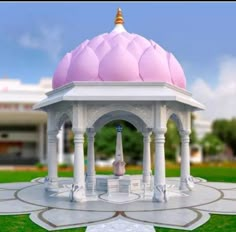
(119, 76)
(119, 164)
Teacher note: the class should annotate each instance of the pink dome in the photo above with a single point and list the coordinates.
(119, 56)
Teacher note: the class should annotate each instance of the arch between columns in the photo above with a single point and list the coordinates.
(61, 118)
(177, 120)
(183, 123)
(138, 114)
(135, 120)
(138, 123)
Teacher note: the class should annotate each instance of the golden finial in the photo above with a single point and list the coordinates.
(119, 17)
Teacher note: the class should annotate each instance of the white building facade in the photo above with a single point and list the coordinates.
(23, 130)
(201, 126)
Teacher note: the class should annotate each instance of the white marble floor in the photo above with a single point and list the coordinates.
(184, 210)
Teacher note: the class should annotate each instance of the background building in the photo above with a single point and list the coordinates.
(22, 130)
(201, 126)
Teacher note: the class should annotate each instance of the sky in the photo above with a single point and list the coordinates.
(202, 36)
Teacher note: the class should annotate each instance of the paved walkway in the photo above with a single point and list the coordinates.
(54, 211)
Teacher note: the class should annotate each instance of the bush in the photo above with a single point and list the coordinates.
(39, 165)
(63, 165)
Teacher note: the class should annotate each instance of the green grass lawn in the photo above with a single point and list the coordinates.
(216, 223)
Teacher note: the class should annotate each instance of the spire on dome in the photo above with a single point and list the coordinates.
(119, 17)
(119, 21)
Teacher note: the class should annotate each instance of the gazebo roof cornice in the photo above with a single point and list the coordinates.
(119, 91)
(117, 83)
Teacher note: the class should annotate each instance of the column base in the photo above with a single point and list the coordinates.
(77, 193)
(91, 184)
(159, 193)
(145, 187)
(91, 179)
(51, 184)
(186, 184)
(146, 178)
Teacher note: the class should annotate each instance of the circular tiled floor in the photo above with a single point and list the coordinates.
(36, 195)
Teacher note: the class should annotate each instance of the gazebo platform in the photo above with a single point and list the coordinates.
(54, 211)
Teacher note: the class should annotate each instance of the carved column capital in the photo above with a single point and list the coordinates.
(78, 131)
(159, 135)
(185, 135)
(159, 131)
(91, 133)
(78, 135)
(185, 132)
(147, 136)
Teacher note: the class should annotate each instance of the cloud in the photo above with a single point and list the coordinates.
(219, 101)
(48, 40)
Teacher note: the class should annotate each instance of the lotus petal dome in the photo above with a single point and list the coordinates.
(119, 56)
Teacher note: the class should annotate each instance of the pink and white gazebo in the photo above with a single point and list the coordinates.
(119, 75)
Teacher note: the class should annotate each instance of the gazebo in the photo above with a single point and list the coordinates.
(118, 76)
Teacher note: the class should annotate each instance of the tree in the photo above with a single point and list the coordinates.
(211, 144)
(105, 142)
(193, 135)
(221, 129)
(172, 140)
(226, 131)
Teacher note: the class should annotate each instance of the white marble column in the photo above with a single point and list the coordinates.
(91, 173)
(78, 188)
(160, 171)
(60, 137)
(146, 157)
(41, 143)
(51, 181)
(186, 180)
